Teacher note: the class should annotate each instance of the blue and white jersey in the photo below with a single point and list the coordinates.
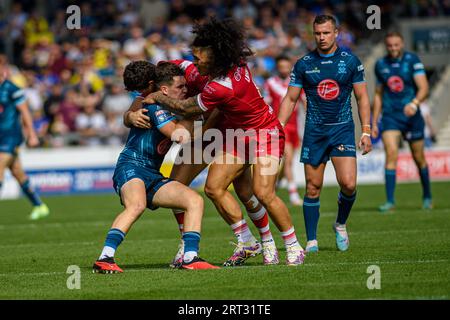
(328, 83)
(397, 78)
(147, 147)
(10, 97)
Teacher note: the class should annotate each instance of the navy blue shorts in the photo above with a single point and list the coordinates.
(412, 128)
(10, 143)
(321, 142)
(152, 179)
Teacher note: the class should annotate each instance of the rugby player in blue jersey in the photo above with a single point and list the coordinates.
(137, 178)
(329, 75)
(401, 86)
(13, 112)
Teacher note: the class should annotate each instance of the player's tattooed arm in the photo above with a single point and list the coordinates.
(136, 116)
(186, 108)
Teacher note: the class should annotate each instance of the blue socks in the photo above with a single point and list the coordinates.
(113, 239)
(191, 245)
(311, 216)
(345, 204)
(389, 177)
(30, 193)
(425, 180)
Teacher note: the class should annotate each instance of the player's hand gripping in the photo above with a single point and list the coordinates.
(365, 144)
(411, 108)
(33, 141)
(139, 119)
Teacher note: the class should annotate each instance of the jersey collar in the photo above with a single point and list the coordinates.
(328, 55)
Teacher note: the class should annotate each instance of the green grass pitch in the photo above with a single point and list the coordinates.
(411, 247)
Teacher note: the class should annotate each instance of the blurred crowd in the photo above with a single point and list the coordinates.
(72, 78)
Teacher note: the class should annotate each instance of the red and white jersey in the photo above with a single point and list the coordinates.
(276, 88)
(240, 101)
(194, 81)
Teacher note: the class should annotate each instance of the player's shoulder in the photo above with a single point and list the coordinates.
(381, 62)
(151, 107)
(182, 63)
(414, 60)
(11, 86)
(220, 84)
(410, 56)
(348, 56)
(307, 58)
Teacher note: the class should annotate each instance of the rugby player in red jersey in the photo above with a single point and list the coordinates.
(219, 51)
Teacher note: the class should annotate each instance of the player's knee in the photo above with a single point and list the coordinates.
(313, 190)
(265, 195)
(213, 192)
(194, 202)
(348, 186)
(136, 208)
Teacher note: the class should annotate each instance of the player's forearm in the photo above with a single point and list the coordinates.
(27, 121)
(187, 107)
(377, 103)
(422, 94)
(126, 119)
(286, 108)
(364, 111)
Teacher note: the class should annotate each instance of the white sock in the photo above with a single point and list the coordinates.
(188, 256)
(107, 252)
(242, 231)
(292, 187)
(289, 237)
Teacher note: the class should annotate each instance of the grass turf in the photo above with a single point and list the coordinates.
(411, 247)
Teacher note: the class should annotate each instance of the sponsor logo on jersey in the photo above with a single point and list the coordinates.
(247, 75)
(307, 58)
(209, 89)
(159, 112)
(360, 67)
(418, 66)
(395, 84)
(326, 62)
(237, 74)
(193, 76)
(164, 146)
(162, 118)
(328, 89)
(312, 71)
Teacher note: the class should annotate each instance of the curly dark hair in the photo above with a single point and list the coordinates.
(226, 39)
(165, 71)
(138, 74)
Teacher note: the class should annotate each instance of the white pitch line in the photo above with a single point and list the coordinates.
(34, 244)
(246, 267)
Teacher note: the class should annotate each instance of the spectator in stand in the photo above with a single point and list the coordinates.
(91, 125)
